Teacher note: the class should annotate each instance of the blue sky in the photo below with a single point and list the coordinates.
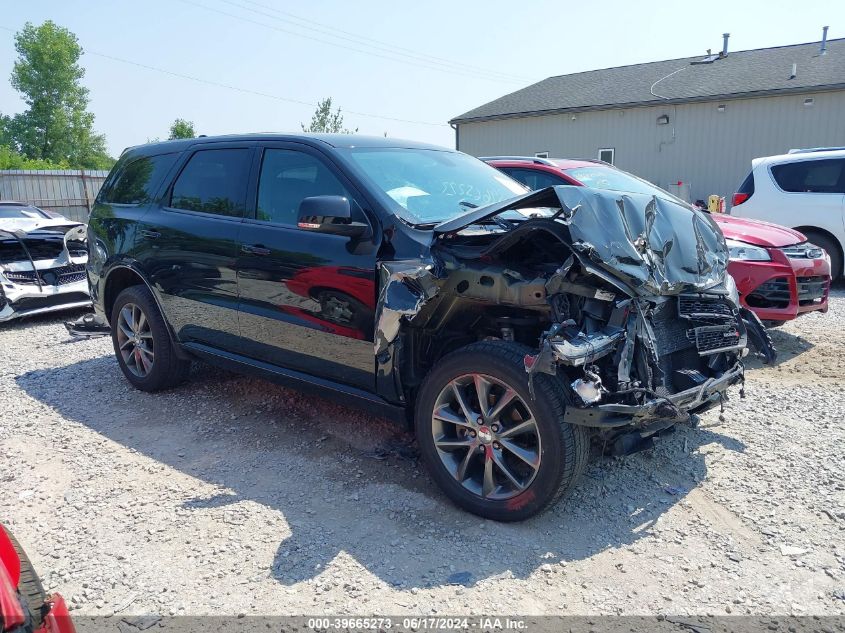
(422, 62)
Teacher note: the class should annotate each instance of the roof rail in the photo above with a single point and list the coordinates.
(527, 159)
(810, 150)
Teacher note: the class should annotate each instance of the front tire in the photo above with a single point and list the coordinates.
(493, 449)
(142, 343)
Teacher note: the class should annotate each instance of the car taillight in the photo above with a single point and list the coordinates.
(739, 198)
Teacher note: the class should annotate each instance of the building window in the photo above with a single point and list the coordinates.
(607, 155)
(541, 155)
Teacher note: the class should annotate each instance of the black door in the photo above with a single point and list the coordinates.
(188, 244)
(307, 300)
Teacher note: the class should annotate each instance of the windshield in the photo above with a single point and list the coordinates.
(613, 179)
(430, 186)
(14, 211)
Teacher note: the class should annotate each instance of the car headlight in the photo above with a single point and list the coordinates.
(733, 291)
(740, 251)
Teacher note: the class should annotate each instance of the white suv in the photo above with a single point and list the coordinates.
(804, 190)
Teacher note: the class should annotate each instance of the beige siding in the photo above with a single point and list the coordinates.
(708, 149)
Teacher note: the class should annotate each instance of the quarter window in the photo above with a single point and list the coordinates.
(137, 181)
(213, 181)
(287, 177)
(813, 176)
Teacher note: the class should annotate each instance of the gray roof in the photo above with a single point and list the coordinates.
(741, 73)
(332, 140)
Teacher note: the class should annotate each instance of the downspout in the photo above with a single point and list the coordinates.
(457, 136)
(674, 106)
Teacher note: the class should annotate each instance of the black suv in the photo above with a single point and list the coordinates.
(509, 327)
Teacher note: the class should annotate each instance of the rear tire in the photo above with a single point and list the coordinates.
(29, 587)
(529, 469)
(832, 248)
(142, 344)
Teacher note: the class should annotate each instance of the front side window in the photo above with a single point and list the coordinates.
(213, 181)
(138, 179)
(430, 186)
(287, 177)
(811, 176)
(534, 179)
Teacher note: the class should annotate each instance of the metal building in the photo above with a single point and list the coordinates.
(70, 192)
(698, 120)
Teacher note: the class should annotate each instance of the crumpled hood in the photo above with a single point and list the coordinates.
(757, 232)
(28, 225)
(653, 245)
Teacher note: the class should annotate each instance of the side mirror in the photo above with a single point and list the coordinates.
(330, 214)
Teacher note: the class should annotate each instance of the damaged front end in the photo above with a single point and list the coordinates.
(624, 298)
(42, 267)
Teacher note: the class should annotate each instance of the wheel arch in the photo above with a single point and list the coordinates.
(818, 230)
(122, 277)
(119, 279)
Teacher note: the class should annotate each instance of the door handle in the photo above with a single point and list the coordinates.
(150, 234)
(255, 249)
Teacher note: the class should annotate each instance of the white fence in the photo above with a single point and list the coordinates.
(70, 192)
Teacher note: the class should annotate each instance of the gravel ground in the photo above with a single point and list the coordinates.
(230, 495)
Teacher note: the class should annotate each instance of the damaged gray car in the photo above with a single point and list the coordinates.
(42, 262)
(512, 329)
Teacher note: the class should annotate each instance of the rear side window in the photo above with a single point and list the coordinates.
(213, 181)
(137, 180)
(534, 179)
(747, 186)
(287, 177)
(813, 176)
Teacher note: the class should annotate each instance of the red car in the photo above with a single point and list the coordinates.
(24, 608)
(778, 273)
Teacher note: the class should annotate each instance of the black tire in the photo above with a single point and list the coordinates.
(565, 449)
(832, 247)
(774, 324)
(29, 587)
(167, 369)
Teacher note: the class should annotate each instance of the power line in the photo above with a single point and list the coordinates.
(422, 64)
(381, 45)
(266, 95)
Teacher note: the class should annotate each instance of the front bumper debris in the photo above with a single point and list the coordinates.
(675, 407)
(57, 618)
(18, 300)
(89, 325)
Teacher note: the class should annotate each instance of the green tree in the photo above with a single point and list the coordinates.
(324, 120)
(10, 159)
(56, 125)
(181, 129)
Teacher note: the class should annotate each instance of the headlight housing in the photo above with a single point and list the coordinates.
(733, 291)
(740, 251)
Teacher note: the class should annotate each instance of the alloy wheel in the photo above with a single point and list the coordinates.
(135, 340)
(486, 436)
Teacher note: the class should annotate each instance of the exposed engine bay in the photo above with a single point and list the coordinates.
(625, 298)
(42, 263)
